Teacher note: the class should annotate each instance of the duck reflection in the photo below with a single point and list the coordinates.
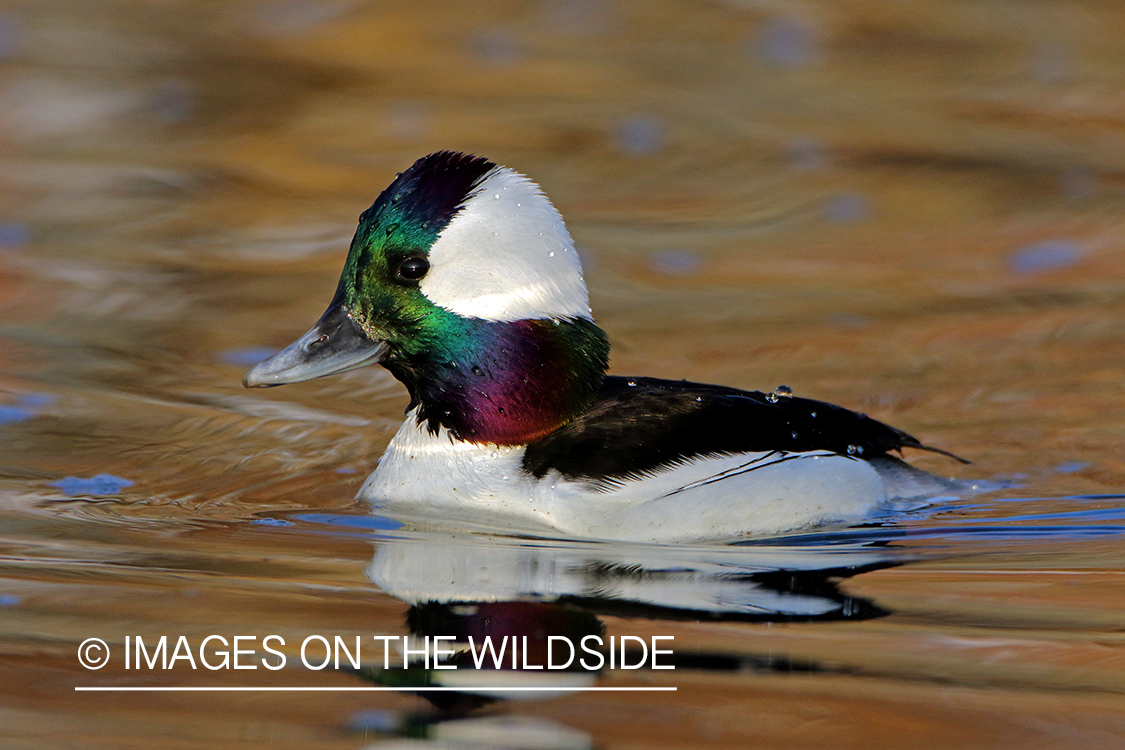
(522, 618)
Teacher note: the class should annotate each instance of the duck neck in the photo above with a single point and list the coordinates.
(506, 383)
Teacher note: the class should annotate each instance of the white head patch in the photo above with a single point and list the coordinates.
(506, 256)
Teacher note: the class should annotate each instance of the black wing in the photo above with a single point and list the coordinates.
(638, 425)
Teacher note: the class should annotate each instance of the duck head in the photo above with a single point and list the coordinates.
(463, 282)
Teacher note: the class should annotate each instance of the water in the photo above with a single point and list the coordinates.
(910, 209)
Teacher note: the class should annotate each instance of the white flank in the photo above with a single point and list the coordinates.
(507, 256)
(434, 480)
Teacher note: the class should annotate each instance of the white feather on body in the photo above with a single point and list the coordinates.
(430, 480)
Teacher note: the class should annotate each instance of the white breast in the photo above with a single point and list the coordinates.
(434, 480)
(429, 479)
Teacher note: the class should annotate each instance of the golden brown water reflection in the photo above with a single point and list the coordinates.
(909, 208)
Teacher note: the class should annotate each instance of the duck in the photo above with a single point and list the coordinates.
(464, 283)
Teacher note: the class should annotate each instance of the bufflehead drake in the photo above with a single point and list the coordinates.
(463, 282)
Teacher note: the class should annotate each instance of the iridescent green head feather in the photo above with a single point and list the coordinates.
(463, 281)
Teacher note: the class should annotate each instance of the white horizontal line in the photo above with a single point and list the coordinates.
(314, 689)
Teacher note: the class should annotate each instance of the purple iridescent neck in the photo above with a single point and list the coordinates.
(506, 383)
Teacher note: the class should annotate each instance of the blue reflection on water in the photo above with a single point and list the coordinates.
(102, 484)
(173, 101)
(272, 522)
(497, 46)
(787, 43)
(1049, 255)
(375, 720)
(807, 154)
(36, 400)
(365, 522)
(14, 234)
(640, 135)
(847, 208)
(247, 356)
(10, 414)
(25, 407)
(675, 262)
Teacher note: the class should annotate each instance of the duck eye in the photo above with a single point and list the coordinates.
(413, 268)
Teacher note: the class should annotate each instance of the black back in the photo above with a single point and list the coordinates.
(640, 425)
